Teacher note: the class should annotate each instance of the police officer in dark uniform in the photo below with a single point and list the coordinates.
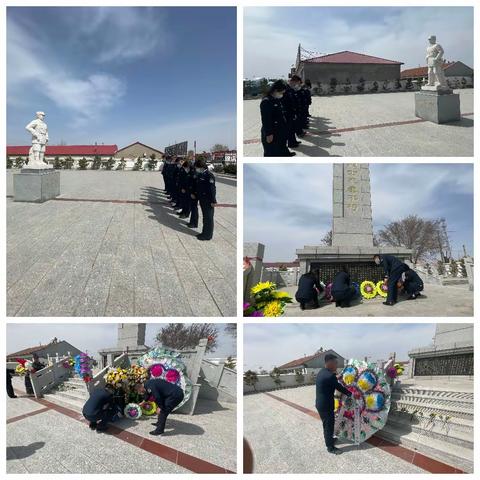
(298, 102)
(342, 289)
(175, 191)
(307, 291)
(192, 191)
(393, 268)
(183, 194)
(10, 390)
(274, 122)
(290, 106)
(167, 396)
(412, 284)
(326, 384)
(206, 192)
(308, 87)
(100, 408)
(165, 167)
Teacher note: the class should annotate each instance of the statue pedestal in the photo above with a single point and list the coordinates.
(36, 185)
(438, 106)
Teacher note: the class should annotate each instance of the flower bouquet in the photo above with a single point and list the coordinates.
(83, 367)
(267, 301)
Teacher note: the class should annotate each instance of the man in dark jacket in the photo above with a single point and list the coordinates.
(167, 396)
(308, 290)
(206, 191)
(326, 384)
(393, 268)
(192, 191)
(412, 283)
(342, 290)
(10, 391)
(100, 409)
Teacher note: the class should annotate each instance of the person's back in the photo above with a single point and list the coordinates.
(97, 400)
(325, 389)
(391, 263)
(306, 286)
(341, 282)
(161, 389)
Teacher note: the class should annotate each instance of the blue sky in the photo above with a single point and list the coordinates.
(289, 206)
(93, 337)
(270, 345)
(272, 34)
(118, 75)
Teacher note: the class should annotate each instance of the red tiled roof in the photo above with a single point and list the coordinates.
(351, 57)
(74, 150)
(421, 71)
(27, 351)
(300, 361)
(281, 264)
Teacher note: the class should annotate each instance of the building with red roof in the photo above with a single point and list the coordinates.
(345, 67)
(309, 363)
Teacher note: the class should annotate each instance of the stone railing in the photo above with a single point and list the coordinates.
(284, 380)
(98, 381)
(47, 378)
(220, 381)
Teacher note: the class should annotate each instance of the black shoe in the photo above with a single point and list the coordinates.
(292, 154)
(412, 297)
(200, 237)
(390, 304)
(156, 432)
(334, 450)
(101, 427)
(92, 425)
(189, 225)
(337, 304)
(13, 396)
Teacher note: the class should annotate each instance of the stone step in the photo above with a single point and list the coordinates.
(454, 455)
(456, 423)
(73, 394)
(431, 398)
(426, 408)
(425, 402)
(67, 402)
(449, 432)
(75, 384)
(450, 394)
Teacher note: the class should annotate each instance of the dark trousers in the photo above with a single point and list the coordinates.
(103, 416)
(10, 391)
(291, 138)
(311, 302)
(413, 287)
(393, 279)
(278, 147)
(207, 212)
(328, 421)
(344, 297)
(162, 420)
(185, 203)
(193, 212)
(28, 385)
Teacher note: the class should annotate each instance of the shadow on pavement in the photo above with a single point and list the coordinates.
(464, 122)
(163, 212)
(208, 406)
(23, 451)
(177, 427)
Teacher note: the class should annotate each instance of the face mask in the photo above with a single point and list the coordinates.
(377, 261)
(277, 95)
(296, 87)
(199, 170)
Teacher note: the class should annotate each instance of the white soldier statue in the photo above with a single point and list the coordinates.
(435, 61)
(38, 129)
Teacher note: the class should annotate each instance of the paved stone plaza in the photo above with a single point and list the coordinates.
(58, 440)
(437, 301)
(111, 245)
(291, 441)
(382, 124)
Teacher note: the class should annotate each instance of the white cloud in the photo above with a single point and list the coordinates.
(32, 71)
(120, 34)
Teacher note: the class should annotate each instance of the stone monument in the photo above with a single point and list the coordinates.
(436, 102)
(352, 230)
(450, 355)
(130, 339)
(37, 181)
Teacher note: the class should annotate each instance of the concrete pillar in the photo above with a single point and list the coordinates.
(469, 269)
(254, 252)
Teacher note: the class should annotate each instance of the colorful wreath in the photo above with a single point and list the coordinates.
(149, 408)
(382, 288)
(136, 374)
(364, 413)
(83, 366)
(167, 365)
(328, 292)
(368, 289)
(133, 411)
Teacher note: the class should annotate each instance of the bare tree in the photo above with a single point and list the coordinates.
(419, 234)
(181, 336)
(327, 239)
(231, 329)
(218, 147)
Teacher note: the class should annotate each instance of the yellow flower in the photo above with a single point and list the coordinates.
(368, 289)
(337, 404)
(370, 401)
(262, 286)
(281, 295)
(273, 309)
(349, 378)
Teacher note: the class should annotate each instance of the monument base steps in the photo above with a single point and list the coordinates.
(71, 394)
(449, 441)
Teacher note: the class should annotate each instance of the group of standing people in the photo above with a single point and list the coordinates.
(397, 275)
(188, 184)
(285, 116)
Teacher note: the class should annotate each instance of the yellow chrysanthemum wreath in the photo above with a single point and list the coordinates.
(382, 288)
(368, 289)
